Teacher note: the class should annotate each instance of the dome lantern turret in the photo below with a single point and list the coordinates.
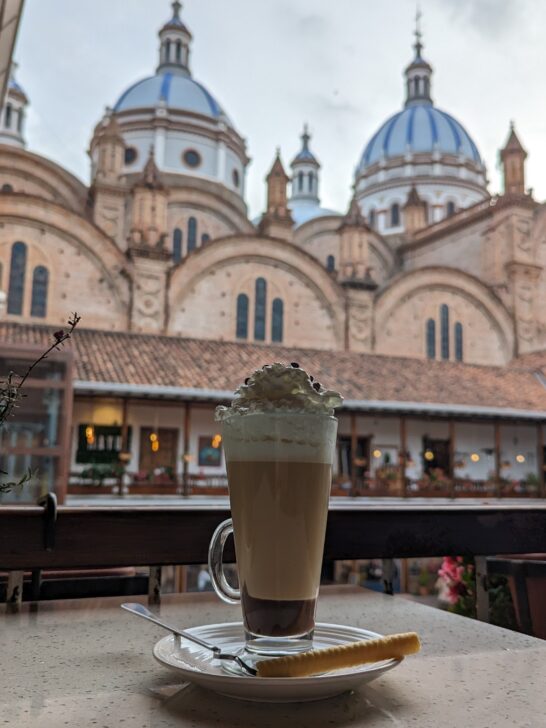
(305, 172)
(13, 113)
(175, 44)
(419, 72)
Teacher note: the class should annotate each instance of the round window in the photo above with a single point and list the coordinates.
(130, 155)
(191, 158)
(236, 178)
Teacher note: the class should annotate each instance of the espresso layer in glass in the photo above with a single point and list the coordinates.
(279, 512)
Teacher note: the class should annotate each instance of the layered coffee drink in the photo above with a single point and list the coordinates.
(279, 439)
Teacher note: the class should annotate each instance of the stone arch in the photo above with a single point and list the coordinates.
(208, 280)
(87, 269)
(402, 308)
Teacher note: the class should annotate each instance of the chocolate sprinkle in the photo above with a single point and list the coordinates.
(295, 365)
(247, 380)
(317, 386)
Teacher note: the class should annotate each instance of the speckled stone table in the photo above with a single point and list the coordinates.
(89, 664)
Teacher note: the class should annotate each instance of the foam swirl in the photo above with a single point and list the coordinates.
(280, 388)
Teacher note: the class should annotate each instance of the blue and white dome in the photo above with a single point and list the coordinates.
(416, 129)
(302, 213)
(175, 91)
(176, 115)
(419, 147)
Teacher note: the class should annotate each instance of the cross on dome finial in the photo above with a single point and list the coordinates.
(306, 137)
(177, 7)
(418, 32)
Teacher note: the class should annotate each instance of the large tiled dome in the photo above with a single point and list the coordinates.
(419, 128)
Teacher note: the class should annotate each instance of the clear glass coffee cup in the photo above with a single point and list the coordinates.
(279, 469)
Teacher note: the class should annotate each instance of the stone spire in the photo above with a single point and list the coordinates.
(354, 250)
(513, 157)
(175, 44)
(277, 220)
(111, 149)
(305, 173)
(415, 212)
(419, 72)
(149, 211)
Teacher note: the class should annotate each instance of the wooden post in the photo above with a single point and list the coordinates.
(353, 453)
(540, 460)
(402, 455)
(497, 459)
(187, 421)
(124, 438)
(451, 472)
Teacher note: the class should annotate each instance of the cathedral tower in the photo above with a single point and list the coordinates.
(277, 221)
(513, 164)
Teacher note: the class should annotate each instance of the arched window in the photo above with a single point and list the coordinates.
(7, 188)
(300, 181)
(259, 312)
(427, 85)
(192, 234)
(168, 51)
(330, 264)
(242, 316)
(205, 238)
(20, 121)
(40, 282)
(371, 218)
(458, 341)
(450, 208)
(277, 320)
(310, 181)
(431, 339)
(7, 117)
(17, 278)
(395, 215)
(178, 51)
(177, 245)
(444, 330)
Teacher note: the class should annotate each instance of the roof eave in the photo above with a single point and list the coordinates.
(362, 405)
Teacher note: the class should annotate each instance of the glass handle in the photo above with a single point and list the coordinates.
(216, 568)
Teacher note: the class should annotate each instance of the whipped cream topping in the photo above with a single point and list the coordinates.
(280, 388)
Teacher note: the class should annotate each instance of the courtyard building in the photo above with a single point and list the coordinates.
(422, 301)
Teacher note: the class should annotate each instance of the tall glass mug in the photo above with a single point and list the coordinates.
(279, 469)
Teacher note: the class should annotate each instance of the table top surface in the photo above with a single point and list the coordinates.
(88, 663)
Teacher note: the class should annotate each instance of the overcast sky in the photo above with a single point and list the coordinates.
(274, 64)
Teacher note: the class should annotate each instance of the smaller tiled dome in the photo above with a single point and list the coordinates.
(177, 92)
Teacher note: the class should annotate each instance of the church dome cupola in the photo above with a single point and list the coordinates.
(419, 72)
(175, 42)
(422, 146)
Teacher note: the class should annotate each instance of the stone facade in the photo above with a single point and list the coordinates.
(159, 246)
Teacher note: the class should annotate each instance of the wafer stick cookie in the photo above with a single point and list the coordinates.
(336, 658)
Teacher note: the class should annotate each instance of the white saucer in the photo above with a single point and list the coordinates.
(197, 665)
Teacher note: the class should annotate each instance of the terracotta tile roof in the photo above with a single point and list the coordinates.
(535, 360)
(148, 360)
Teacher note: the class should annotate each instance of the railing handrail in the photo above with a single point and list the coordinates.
(105, 536)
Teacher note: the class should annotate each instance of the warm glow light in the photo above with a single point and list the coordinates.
(90, 435)
(155, 445)
(429, 455)
(153, 437)
(216, 441)
(520, 458)
(377, 453)
(475, 457)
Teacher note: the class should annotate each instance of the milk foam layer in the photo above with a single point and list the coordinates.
(285, 436)
(280, 388)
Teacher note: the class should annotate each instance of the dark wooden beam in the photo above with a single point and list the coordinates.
(153, 536)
